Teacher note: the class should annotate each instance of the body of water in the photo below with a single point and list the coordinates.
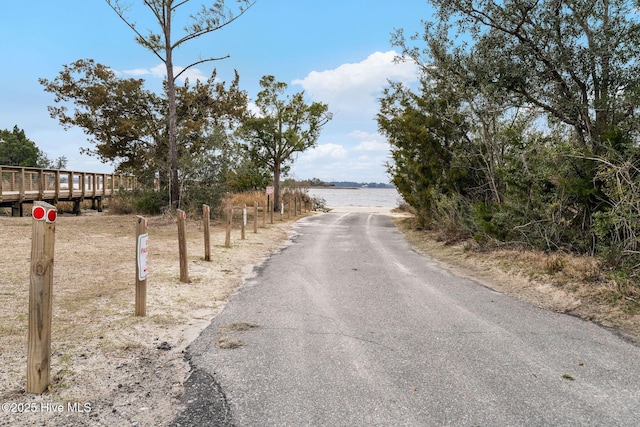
(365, 197)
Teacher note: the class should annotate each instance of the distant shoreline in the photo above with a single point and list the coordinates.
(336, 187)
(333, 187)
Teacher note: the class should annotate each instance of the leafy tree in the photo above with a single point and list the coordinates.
(125, 120)
(163, 45)
(421, 144)
(284, 125)
(129, 124)
(60, 163)
(576, 61)
(247, 175)
(17, 150)
(510, 175)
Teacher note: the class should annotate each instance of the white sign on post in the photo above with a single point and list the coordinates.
(142, 256)
(269, 190)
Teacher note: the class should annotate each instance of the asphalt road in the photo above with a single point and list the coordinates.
(356, 329)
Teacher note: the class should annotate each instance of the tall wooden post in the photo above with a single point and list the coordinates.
(206, 220)
(264, 216)
(142, 252)
(255, 217)
(40, 289)
(182, 245)
(244, 222)
(227, 239)
(271, 208)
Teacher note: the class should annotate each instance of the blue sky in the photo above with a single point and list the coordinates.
(337, 51)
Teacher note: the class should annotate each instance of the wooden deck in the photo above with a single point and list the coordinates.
(25, 185)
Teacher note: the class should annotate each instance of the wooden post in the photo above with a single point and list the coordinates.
(21, 186)
(255, 217)
(227, 238)
(82, 182)
(271, 208)
(142, 251)
(264, 217)
(182, 245)
(41, 184)
(244, 222)
(40, 289)
(206, 220)
(70, 184)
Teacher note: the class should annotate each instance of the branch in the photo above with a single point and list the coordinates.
(209, 28)
(198, 62)
(114, 4)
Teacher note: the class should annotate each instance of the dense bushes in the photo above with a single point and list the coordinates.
(511, 140)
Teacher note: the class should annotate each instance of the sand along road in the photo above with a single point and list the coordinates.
(349, 327)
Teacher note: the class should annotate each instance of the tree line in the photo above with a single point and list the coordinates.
(523, 129)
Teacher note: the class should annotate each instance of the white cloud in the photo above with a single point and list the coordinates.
(351, 89)
(356, 151)
(372, 146)
(369, 141)
(160, 71)
(136, 72)
(328, 151)
(361, 134)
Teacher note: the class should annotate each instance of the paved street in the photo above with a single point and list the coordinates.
(350, 327)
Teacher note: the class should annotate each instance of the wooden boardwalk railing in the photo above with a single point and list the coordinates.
(20, 185)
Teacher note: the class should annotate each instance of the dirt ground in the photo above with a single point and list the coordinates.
(110, 368)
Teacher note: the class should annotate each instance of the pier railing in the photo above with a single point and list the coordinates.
(23, 185)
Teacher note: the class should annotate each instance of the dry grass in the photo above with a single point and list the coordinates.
(101, 352)
(561, 282)
(248, 199)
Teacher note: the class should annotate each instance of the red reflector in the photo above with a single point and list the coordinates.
(38, 213)
(52, 214)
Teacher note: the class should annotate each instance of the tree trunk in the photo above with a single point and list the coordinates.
(276, 186)
(174, 184)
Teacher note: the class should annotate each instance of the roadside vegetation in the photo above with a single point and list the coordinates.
(523, 134)
(565, 282)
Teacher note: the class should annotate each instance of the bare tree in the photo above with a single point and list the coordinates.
(161, 43)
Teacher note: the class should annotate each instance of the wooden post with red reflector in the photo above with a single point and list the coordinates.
(40, 289)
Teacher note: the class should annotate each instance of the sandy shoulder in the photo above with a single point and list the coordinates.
(109, 367)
